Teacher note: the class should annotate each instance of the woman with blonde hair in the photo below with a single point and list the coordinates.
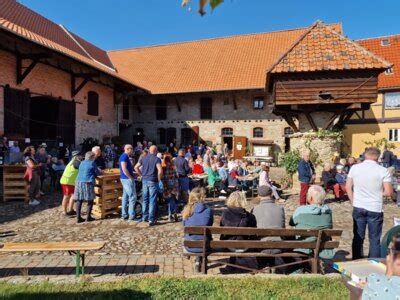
(197, 213)
(236, 215)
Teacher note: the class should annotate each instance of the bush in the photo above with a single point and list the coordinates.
(88, 143)
(290, 161)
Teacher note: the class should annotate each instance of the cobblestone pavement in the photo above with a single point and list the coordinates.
(131, 248)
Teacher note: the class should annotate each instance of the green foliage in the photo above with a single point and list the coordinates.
(380, 143)
(88, 143)
(202, 5)
(289, 161)
(183, 288)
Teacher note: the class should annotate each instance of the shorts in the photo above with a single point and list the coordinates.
(68, 189)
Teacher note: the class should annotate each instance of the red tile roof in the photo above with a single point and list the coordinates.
(229, 63)
(323, 49)
(391, 53)
(22, 21)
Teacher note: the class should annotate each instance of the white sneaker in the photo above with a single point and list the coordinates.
(34, 202)
(223, 192)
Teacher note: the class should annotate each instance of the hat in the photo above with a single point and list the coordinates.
(264, 190)
(75, 153)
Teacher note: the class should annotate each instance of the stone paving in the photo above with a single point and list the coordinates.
(131, 248)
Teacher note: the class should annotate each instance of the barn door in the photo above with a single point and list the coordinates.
(16, 113)
(239, 146)
(66, 121)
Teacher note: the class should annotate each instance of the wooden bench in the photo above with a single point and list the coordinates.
(77, 248)
(217, 248)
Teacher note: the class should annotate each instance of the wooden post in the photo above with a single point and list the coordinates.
(314, 267)
(204, 262)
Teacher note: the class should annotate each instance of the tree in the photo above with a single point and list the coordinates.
(202, 5)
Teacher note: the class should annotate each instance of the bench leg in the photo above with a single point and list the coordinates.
(83, 263)
(204, 264)
(78, 270)
(314, 265)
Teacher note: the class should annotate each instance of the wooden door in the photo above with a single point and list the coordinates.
(16, 113)
(239, 146)
(66, 121)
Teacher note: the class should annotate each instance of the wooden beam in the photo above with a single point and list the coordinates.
(311, 121)
(330, 121)
(21, 71)
(86, 77)
(178, 105)
(291, 122)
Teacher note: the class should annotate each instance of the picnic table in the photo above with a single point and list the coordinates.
(250, 178)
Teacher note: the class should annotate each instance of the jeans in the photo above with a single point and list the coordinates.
(128, 198)
(374, 220)
(171, 206)
(149, 195)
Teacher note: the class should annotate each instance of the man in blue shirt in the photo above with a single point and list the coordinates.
(151, 171)
(128, 184)
(183, 170)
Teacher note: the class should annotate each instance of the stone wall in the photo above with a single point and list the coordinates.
(322, 148)
(53, 82)
(233, 109)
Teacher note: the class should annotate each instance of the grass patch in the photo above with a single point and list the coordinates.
(183, 288)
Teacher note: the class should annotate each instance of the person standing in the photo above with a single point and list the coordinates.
(67, 182)
(84, 186)
(387, 158)
(367, 184)
(151, 171)
(183, 170)
(306, 172)
(110, 155)
(99, 159)
(128, 184)
(43, 159)
(32, 175)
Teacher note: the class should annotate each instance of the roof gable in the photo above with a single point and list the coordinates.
(22, 20)
(321, 48)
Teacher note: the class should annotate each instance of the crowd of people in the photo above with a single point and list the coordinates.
(171, 177)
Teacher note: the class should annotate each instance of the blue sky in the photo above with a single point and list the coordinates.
(117, 24)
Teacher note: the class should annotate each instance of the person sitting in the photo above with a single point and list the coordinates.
(269, 215)
(316, 215)
(223, 174)
(197, 213)
(214, 181)
(386, 286)
(328, 178)
(198, 167)
(265, 180)
(340, 178)
(236, 215)
(233, 182)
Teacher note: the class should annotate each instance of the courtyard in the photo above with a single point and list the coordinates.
(132, 248)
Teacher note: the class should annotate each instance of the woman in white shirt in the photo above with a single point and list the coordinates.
(265, 180)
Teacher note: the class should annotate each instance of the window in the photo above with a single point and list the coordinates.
(171, 135)
(392, 100)
(389, 71)
(258, 103)
(205, 108)
(385, 42)
(161, 135)
(288, 131)
(227, 131)
(258, 132)
(125, 109)
(161, 109)
(186, 136)
(93, 104)
(394, 135)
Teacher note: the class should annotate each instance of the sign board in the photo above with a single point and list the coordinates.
(261, 150)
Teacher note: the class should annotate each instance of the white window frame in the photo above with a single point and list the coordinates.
(389, 71)
(257, 101)
(394, 135)
(392, 103)
(385, 42)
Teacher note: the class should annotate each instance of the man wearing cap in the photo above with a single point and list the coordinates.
(269, 215)
(67, 182)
